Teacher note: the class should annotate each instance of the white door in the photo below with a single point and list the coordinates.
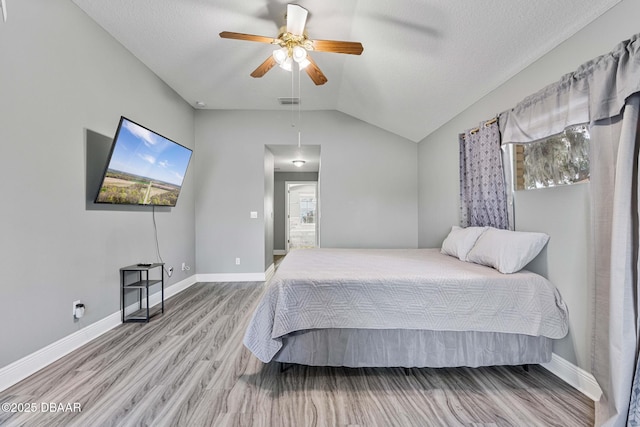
(302, 215)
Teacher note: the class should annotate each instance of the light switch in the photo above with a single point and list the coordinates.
(254, 214)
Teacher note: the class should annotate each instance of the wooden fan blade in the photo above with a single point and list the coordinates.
(264, 67)
(314, 72)
(247, 37)
(335, 46)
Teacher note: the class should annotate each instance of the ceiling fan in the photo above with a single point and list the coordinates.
(294, 46)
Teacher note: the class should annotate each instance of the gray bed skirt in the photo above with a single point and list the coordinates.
(411, 348)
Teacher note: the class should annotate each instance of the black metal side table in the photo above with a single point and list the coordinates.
(143, 283)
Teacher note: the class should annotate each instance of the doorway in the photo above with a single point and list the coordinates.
(301, 214)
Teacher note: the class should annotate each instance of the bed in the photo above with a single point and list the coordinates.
(403, 308)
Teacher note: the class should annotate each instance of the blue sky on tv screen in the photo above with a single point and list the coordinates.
(141, 152)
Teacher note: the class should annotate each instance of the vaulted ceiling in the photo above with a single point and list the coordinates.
(424, 61)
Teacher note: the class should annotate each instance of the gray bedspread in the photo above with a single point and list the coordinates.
(400, 289)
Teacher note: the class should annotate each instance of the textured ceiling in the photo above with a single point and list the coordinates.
(424, 61)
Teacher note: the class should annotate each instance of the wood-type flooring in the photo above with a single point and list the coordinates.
(188, 367)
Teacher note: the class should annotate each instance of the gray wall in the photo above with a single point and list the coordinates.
(368, 184)
(561, 212)
(269, 190)
(279, 208)
(61, 75)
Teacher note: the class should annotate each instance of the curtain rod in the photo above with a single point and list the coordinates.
(476, 130)
(487, 123)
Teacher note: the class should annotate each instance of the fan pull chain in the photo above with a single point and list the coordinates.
(299, 102)
(292, 110)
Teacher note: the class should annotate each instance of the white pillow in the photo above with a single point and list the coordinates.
(507, 251)
(460, 241)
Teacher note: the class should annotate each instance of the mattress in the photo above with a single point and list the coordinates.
(410, 289)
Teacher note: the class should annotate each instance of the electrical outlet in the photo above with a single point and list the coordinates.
(237, 261)
(73, 312)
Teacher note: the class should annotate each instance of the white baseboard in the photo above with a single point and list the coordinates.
(232, 277)
(176, 288)
(279, 252)
(237, 277)
(576, 377)
(28, 365)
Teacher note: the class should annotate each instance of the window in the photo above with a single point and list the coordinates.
(307, 208)
(557, 160)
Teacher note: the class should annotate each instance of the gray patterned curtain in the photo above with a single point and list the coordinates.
(483, 199)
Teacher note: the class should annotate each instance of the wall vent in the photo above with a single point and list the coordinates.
(289, 101)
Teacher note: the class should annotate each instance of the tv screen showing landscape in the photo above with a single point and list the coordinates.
(144, 168)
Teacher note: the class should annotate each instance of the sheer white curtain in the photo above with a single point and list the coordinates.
(605, 93)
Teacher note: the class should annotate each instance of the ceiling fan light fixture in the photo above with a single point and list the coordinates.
(299, 54)
(287, 64)
(280, 55)
(298, 163)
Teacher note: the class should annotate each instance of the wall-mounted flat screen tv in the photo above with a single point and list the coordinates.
(144, 168)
